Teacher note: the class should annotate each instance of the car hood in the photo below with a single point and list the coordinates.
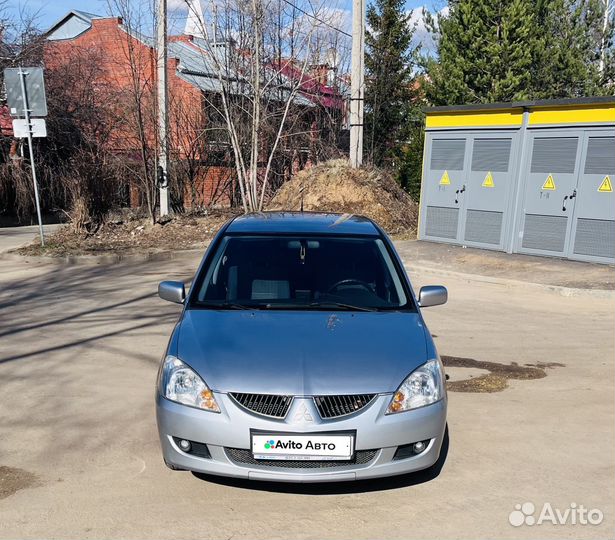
(302, 353)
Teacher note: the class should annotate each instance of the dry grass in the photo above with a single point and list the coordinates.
(330, 187)
(12, 480)
(134, 235)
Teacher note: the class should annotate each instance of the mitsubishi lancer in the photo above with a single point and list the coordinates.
(301, 355)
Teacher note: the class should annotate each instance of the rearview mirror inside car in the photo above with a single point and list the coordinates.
(172, 291)
(432, 295)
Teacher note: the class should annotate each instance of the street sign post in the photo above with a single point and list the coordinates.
(32, 103)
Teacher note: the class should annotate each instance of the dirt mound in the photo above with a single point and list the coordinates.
(336, 187)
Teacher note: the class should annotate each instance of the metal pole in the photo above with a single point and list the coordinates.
(26, 110)
(163, 115)
(357, 90)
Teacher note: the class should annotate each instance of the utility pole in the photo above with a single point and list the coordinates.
(357, 88)
(162, 169)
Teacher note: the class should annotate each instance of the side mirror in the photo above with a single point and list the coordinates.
(172, 291)
(432, 295)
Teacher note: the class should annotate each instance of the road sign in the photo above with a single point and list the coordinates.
(38, 128)
(35, 90)
(25, 92)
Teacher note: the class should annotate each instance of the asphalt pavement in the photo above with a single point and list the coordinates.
(14, 237)
(79, 455)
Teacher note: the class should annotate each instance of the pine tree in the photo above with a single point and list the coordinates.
(508, 50)
(567, 58)
(389, 92)
(485, 52)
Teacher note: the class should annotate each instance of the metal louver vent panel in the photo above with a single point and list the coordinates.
(595, 237)
(546, 233)
(334, 406)
(241, 456)
(491, 155)
(600, 156)
(265, 404)
(441, 222)
(554, 154)
(483, 226)
(447, 154)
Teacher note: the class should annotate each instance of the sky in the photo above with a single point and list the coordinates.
(49, 11)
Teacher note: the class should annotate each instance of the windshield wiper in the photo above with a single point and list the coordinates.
(227, 305)
(325, 305)
(329, 304)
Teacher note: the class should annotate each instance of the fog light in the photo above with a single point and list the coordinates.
(411, 450)
(185, 445)
(418, 447)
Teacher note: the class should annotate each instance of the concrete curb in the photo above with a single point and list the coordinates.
(422, 266)
(107, 258)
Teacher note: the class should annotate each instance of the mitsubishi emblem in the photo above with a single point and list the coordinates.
(303, 415)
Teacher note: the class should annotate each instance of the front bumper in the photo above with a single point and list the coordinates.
(230, 429)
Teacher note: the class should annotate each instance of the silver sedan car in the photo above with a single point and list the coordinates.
(301, 355)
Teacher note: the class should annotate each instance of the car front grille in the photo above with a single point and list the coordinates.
(243, 457)
(265, 404)
(334, 406)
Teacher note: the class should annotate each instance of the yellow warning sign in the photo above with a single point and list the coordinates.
(445, 180)
(488, 181)
(549, 183)
(606, 186)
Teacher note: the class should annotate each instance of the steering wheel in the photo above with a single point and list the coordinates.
(351, 281)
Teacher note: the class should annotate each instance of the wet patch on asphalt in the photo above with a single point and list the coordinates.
(496, 379)
(13, 479)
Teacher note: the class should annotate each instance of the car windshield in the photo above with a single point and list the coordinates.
(301, 272)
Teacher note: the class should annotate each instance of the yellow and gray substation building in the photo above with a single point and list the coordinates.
(528, 177)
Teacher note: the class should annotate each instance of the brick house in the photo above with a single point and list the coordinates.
(126, 62)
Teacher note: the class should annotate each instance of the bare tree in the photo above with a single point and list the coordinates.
(137, 99)
(20, 45)
(260, 54)
(79, 153)
(195, 157)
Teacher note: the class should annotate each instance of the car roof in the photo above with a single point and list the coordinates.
(304, 223)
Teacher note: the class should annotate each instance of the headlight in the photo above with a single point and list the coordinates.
(422, 387)
(181, 384)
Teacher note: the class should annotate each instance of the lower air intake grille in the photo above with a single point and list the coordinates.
(240, 456)
(265, 404)
(334, 406)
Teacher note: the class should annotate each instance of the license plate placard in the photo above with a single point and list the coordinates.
(302, 447)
